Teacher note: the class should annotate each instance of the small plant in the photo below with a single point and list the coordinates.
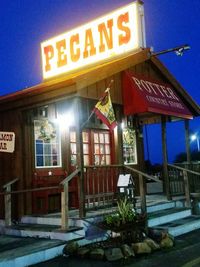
(123, 215)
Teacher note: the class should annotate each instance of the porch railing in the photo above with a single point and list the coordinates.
(182, 181)
(101, 184)
(8, 202)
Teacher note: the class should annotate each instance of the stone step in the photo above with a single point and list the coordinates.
(45, 231)
(168, 215)
(181, 226)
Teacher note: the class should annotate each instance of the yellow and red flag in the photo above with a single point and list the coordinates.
(104, 110)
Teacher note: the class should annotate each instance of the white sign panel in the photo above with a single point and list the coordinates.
(124, 180)
(103, 39)
(7, 142)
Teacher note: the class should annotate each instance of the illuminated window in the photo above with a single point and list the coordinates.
(47, 144)
(129, 146)
(102, 151)
(73, 147)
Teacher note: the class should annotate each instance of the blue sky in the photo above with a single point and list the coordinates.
(25, 24)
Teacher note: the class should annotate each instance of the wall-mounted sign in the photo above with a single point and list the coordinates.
(7, 142)
(103, 39)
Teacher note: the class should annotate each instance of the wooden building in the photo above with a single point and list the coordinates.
(53, 134)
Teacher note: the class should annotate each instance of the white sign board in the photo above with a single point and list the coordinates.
(105, 38)
(7, 142)
(124, 180)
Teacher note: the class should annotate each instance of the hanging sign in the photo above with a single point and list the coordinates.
(103, 39)
(7, 142)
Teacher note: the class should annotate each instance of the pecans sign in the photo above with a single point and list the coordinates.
(103, 39)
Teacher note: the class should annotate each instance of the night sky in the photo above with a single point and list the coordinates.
(25, 24)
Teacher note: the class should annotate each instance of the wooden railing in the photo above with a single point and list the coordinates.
(64, 199)
(101, 184)
(142, 186)
(182, 181)
(7, 201)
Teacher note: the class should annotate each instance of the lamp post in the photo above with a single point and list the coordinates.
(195, 137)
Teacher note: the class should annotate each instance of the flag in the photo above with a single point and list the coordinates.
(104, 110)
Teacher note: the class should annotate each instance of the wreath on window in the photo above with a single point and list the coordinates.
(47, 131)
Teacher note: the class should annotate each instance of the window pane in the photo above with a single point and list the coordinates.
(85, 149)
(73, 160)
(73, 136)
(108, 161)
(101, 149)
(85, 137)
(101, 138)
(73, 148)
(96, 160)
(39, 161)
(96, 138)
(86, 160)
(129, 146)
(107, 149)
(96, 149)
(47, 144)
(107, 139)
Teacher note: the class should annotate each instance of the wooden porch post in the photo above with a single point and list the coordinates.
(187, 140)
(165, 161)
(7, 199)
(81, 161)
(64, 207)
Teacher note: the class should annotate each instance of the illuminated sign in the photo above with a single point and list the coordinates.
(103, 39)
(7, 142)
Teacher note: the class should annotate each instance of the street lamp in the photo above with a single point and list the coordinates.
(195, 137)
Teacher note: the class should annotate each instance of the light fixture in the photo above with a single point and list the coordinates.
(179, 50)
(65, 120)
(194, 137)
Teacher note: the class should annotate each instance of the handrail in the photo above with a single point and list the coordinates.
(69, 177)
(10, 183)
(183, 169)
(29, 190)
(126, 167)
(143, 174)
(186, 181)
(7, 201)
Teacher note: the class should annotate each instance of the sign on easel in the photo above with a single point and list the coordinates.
(124, 180)
(7, 142)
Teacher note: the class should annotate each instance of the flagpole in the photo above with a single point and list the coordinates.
(91, 114)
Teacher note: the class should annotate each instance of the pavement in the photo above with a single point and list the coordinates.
(185, 253)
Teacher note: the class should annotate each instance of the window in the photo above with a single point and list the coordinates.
(47, 144)
(73, 148)
(96, 148)
(129, 146)
(102, 153)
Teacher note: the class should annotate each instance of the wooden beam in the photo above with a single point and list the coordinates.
(187, 140)
(64, 207)
(7, 199)
(165, 160)
(142, 194)
(187, 189)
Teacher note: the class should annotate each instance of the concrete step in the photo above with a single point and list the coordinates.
(20, 252)
(45, 231)
(166, 216)
(181, 226)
